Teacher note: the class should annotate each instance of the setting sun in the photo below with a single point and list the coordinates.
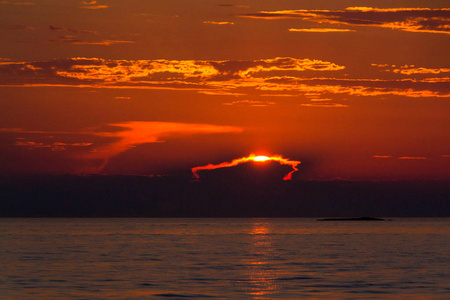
(261, 158)
(252, 157)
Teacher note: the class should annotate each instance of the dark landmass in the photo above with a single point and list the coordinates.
(353, 219)
(139, 196)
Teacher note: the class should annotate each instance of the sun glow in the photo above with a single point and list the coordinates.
(252, 157)
(261, 158)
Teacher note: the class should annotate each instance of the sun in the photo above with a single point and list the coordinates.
(261, 158)
(252, 157)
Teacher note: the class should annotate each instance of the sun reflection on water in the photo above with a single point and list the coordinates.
(260, 270)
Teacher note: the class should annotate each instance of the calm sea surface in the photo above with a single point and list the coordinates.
(224, 259)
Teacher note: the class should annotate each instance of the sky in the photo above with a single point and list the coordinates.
(354, 90)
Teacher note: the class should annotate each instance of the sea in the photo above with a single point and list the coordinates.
(237, 258)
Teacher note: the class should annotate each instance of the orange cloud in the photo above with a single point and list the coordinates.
(382, 156)
(132, 134)
(55, 146)
(221, 93)
(250, 103)
(17, 3)
(337, 105)
(140, 72)
(70, 39)
(406, 19)
(92, 5)
(409, 71)
(412, 157)
(124, 136)
(278, 95)
(278, 76)
(54, 28)
(321, 99)
(218, 23)
(251, 158)
(319, 30)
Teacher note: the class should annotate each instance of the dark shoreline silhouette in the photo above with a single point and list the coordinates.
(354, 219)
(140, 196)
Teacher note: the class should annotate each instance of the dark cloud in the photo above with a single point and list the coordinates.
(54, 28)
(405, 19)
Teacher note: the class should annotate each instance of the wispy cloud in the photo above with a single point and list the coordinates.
(321, 99)
(118, 137)
(131, 134)
(250, 103)
(92, 5)
(218, 22)
(406, 19)
(16, 3)
(382, 156)
(328, 105)
(234, 5)
(70, 39)
(319, 30)
(409, 71)
(54, 146)
(221, 93)
(73, 36)
(55, 28)
(412, 157)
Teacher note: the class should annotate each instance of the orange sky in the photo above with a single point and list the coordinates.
(357, 90)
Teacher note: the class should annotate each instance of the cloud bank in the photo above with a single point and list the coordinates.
(405, 19)
(281, 75)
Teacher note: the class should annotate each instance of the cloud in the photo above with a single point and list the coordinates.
(321, 99)
(122, 98)
(411, 69)
(406, 19)
(319, 30)
(250, 103)
(382, 156)
(74, 40)
(115, 138)
(232, 5)
(92, 5)
(54, 28)
(73, 36)
(359, 87)
(55, 146)
(412, 157)
(278, 95)
(131, 134)
(331, 105)
(139, 72)
(16, 3)
(218, 23)
(221, 93)
(278, 76)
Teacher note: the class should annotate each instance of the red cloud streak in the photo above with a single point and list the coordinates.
(251, 157)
